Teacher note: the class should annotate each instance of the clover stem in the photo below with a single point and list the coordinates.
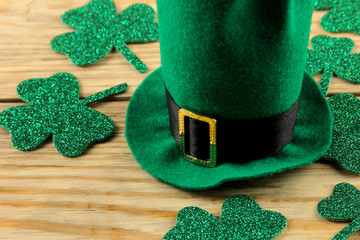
(104, 94)
(349, 230)
(131, 57)
(325, 79)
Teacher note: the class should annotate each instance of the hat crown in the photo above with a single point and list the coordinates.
(234, 58)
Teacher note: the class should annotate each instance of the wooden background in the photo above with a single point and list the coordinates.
(104, 194)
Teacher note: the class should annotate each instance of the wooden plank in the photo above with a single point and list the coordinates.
(27, 28)
(105, 194)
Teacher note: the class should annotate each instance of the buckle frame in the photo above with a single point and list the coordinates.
(212, 130)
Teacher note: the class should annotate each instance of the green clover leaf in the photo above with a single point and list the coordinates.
(342, 205)
(100, 29)
(241, 218)
(333, 56)
(345, 147)
(55, 109)
(344, 15)
(324, 4)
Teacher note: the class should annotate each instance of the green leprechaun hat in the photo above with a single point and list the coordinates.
(231, 100)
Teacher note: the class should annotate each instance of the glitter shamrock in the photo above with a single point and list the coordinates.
(332, 56)
(55, 109)
(345, 147)
(324, 4)
(100, 29)
(241, 218)
(344, 16)
(342, 205)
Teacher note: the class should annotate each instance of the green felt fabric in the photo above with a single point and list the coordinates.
(234, 58)
(150, 140)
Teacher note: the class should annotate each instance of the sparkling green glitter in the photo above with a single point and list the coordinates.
(345, 147)
(241, 218)
(331, 55)
(100, 29)
(342, 205)
(55, 109)
(343, 17)
(324, 4)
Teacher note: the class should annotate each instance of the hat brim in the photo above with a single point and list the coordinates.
(149, 138)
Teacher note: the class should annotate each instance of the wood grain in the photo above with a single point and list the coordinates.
(105, 194)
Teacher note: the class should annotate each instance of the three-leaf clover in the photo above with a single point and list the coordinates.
(100, 29)
(324, 4)
(344, 15)
(55, 109)
(241, 218)
(331, 55)
(342, 205)
(345, 147)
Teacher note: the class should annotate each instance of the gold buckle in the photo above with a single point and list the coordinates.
(212, 130)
